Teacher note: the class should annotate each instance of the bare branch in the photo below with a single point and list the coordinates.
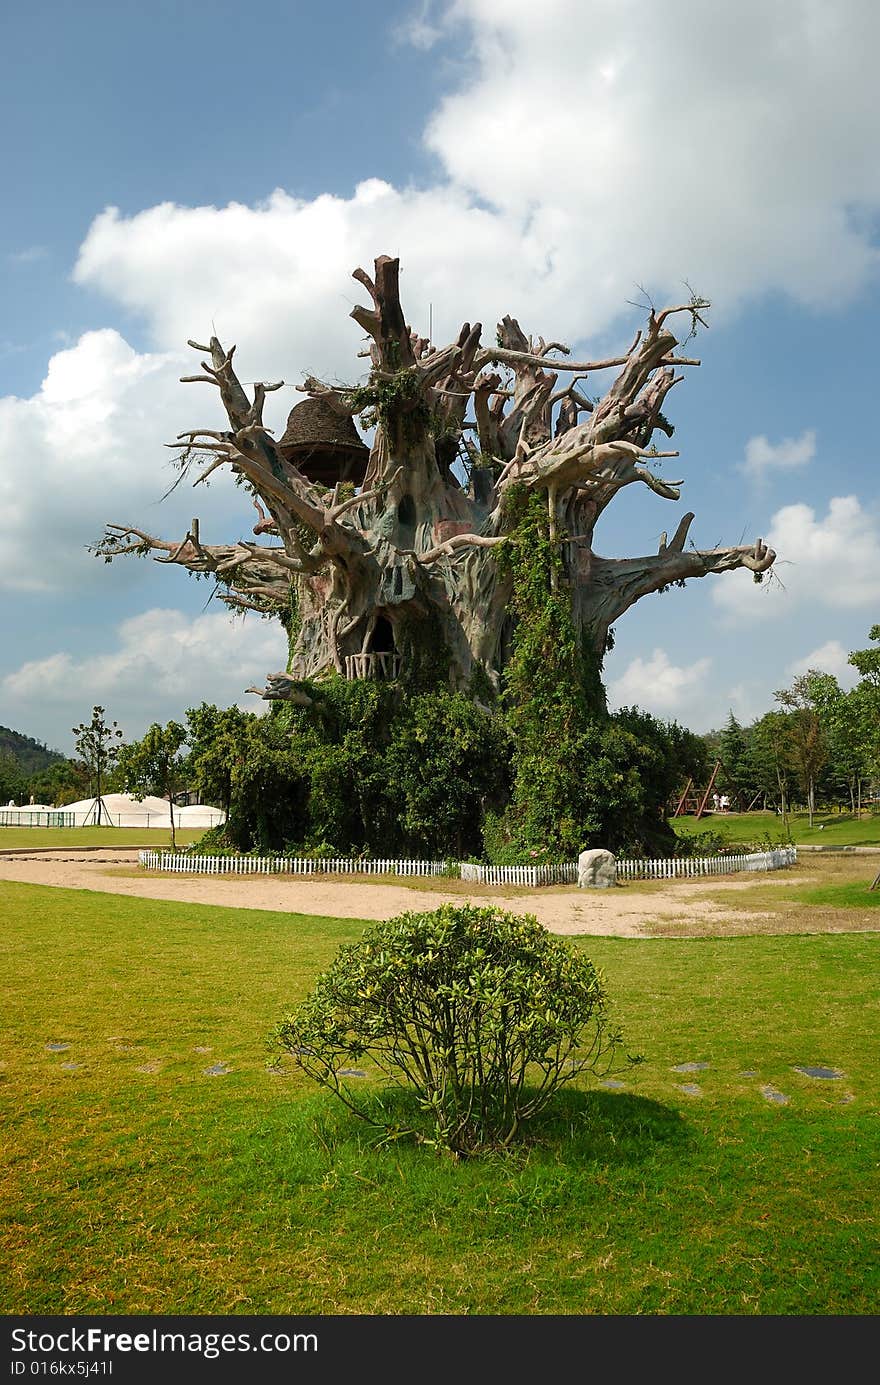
(498, 354)
(444, 550)
(364, 497)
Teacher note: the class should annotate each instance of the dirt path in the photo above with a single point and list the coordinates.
(627, 911)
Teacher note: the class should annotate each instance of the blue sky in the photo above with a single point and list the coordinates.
(170, 167)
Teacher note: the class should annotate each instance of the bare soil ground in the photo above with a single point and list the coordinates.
(681, 908)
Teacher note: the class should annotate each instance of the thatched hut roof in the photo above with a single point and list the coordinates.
(324, 444)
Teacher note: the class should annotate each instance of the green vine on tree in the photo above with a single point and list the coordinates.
(392, 403)
(553, 693)
(550, 670)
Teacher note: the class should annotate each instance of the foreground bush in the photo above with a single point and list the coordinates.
(481, 1013)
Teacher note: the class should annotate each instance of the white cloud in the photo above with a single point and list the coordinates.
(276, 278)
(162, 663)
(88, 448)
(30, 255)
(652, 143)
(828, 563)
(762, 456)
(593, 146)
(658, 686)
(421, 29)
(830, 657)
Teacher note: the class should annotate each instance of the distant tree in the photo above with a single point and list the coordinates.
(670, 755)
(97, 744)
(12, 780)
(771, 760)
(64, 781)
(808, 740)
(218, 739)
(866, 700)
(733, 748)
(841, 717)
(156, 764)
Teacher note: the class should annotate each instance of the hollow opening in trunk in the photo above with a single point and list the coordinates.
(382, 638)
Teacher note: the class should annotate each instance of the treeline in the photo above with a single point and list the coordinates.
(64, 781)
(32, 756)
(380, 768)
(23, 763)
(375, 768)
(820, 745)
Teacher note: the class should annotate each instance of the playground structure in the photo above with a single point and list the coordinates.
(696, 800)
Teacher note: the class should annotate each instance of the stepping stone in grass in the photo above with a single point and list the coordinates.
(200, 1048)
(71, 1067)
(748, 1072)
(218, 1070)
(829, 1073)
(690, 1089)
(691, 1067)
(613, 1083)
(771, 1094)
(351, 1072)
(58, 1048)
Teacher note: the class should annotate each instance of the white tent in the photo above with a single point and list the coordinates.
(30, 815)
(122, 810)
(199, 815)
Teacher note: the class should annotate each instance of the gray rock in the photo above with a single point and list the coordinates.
(597, 869)
(770, 1094)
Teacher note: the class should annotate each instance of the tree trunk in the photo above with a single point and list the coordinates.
(401, 579)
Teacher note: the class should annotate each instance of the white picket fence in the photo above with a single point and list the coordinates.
(688, 867)
(564, 874)
(675, 868)
(191, 863)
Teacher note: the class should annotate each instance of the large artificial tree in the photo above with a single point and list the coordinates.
(385, 562)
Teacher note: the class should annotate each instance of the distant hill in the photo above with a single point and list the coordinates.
(32, 755)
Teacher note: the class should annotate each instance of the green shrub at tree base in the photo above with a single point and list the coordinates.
(368, 769)
(480, 1014)
(374, 769)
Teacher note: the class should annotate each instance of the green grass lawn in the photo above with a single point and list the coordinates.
(829, 829)
(45, 837)
(137, 1182)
